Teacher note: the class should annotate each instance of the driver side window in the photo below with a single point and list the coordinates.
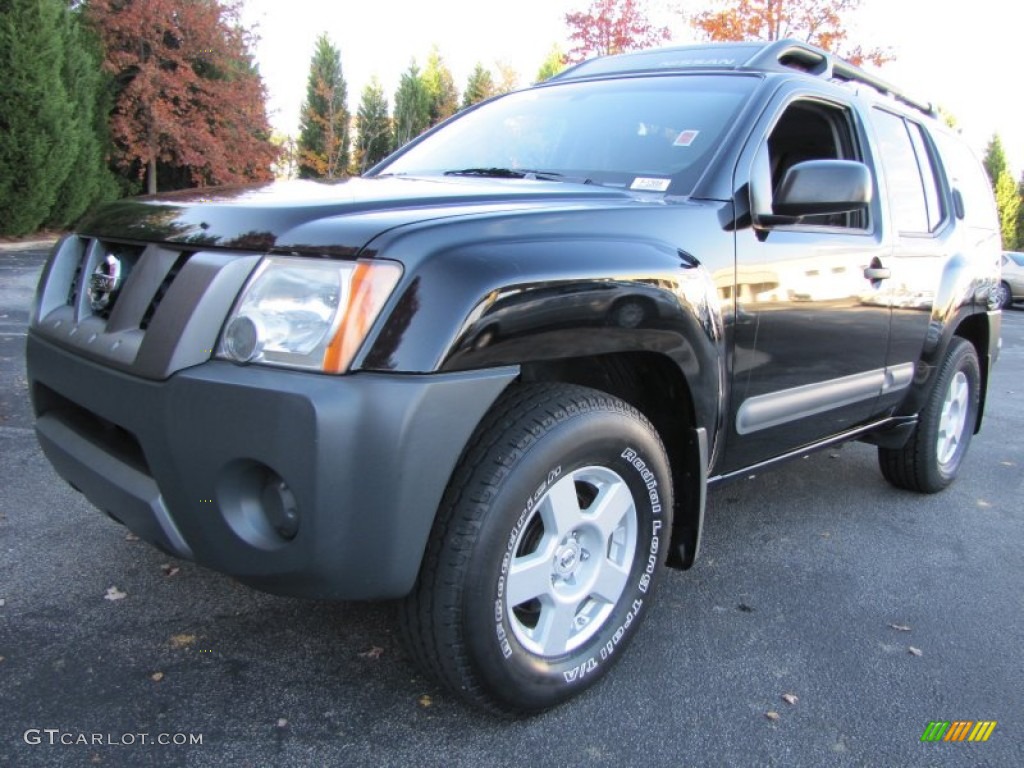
(813, 131)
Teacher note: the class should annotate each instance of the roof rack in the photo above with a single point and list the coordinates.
(796, 54)
(776, 56)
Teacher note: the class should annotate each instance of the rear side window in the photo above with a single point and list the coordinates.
(915, 195)
(967, 175)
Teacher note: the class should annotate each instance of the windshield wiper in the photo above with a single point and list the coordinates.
(517, 173)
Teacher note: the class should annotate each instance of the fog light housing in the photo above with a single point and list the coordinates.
(258, 505)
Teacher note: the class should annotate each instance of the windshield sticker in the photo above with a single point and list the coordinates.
(650, 185)
(686, 138)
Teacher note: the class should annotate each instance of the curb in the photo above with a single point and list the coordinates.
(27, 245)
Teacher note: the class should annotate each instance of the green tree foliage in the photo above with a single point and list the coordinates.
(323, 134)
(479, 87)
(1019, 246)
(44, 137)
(373, 127)
(553, 64)
(995, 159)
(508, 78)
(89, 178)
(412, 106)
(1008, 204)
(442, 95)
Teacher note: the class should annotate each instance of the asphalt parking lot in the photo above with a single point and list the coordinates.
(816, 580)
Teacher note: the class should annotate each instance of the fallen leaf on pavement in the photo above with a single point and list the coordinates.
(901, 627)
(915, 651)
(113, 593)
(169, 570)
(375, 652)
(425, 701)
(130, 537)
(790, 698)
(182, 641)
(156, 677)
(773, 716)
(281, 723)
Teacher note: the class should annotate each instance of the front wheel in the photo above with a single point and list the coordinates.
(931, 458)
(543, 558)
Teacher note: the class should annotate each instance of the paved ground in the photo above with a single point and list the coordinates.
(805, 571)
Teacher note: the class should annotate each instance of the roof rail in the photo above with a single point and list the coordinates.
(754, 55)
(796, 54)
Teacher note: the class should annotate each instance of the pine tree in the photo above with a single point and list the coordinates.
(995, 159)
(38, 136)
(442, 95)
(373, 126)
(1019, 245)
(1008, 205)
(412, 106)
(89, 179)
(323, 136)
(480, 86)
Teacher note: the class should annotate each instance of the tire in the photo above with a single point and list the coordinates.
(932, 457)
(545, 552)
(1003, 296)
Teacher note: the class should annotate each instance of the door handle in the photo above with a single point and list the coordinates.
(877, 272)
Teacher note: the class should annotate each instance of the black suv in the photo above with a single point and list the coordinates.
(496, 376)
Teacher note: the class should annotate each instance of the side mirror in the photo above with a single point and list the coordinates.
(823, 187)
(810, 188)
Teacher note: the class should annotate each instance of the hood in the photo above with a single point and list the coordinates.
(333, 218)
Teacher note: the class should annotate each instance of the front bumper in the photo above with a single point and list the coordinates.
(186, 463)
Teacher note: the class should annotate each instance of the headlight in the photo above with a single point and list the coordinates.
(306, 313)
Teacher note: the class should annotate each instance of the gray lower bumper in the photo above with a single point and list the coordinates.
(186, 463)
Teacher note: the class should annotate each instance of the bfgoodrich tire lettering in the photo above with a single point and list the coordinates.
(545, 552)
(931, 458)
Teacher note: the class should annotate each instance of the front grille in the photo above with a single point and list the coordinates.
(161, 290)
(148, 310)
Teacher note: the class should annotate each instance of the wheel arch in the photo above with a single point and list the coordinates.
(977, 330)
(654, 385)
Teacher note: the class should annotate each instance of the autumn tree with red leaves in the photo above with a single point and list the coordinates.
(819, 22)
(609, 27)
(188, 99)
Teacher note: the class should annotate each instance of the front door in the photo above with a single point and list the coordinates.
(811, 328)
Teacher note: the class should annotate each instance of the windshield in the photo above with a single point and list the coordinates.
(648, 133)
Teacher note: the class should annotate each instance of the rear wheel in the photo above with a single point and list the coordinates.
(545, 551)
(1003, 295)
(931, 458)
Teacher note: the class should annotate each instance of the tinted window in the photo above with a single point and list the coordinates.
(813, 131)
(640, 133)
(967, 175)
(929, 178)
(907, 198)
